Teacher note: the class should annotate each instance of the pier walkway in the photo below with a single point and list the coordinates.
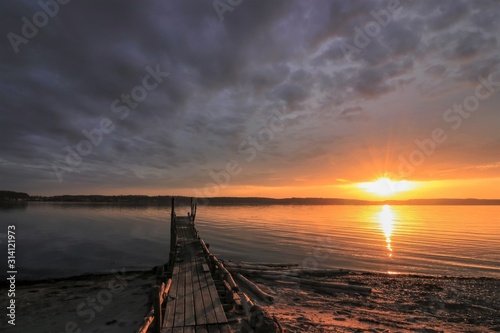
(193, 304)
(186, 299)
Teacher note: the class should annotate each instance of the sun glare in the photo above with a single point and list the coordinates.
(385, 186)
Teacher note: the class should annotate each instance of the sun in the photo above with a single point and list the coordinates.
(386, 187)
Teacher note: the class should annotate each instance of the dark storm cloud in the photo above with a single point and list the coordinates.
(446, 14)
(225, 81)
(483, 67)
(472, 44)
(64, 80)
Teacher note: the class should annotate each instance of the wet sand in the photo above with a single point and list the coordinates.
(111, 303)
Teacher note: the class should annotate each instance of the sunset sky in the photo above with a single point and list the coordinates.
(267, 98)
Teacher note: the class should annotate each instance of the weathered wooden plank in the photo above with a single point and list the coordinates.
(207, 298)
(199, 307)
(217, 305)
(201, 329)
(180, 301)
(189, 329)
(189, 312)
(213, 329)
(166, 330)
(168, 320)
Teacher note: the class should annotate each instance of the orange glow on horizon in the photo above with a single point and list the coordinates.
(484, 188)
(487, 188)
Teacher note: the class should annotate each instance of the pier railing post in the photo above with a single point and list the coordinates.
(172, 211)
(173, 229)
(157, 308)
(193, 208)
(160, 272)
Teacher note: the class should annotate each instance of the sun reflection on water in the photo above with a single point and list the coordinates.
(386, 219)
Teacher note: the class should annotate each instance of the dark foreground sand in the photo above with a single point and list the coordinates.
(91, 303)
(396, 304)
(118, 303)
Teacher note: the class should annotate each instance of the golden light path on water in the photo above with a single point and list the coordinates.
(386, 219)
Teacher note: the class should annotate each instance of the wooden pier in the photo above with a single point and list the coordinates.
(186, 298)
(195, 291)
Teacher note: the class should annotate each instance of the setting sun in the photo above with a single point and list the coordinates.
(385, 186)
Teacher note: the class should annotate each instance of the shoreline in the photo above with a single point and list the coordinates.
(421, 303)
(84, 276)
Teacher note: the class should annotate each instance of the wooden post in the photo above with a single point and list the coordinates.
(173, 236)
(160, 271)
(247, 303)
(229, 293)
(157, 308)
(192, 210)
(172, 212)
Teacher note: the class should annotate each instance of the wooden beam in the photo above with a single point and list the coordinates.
(157, 308)
(255, 289)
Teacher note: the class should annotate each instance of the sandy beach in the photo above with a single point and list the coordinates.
(398, 303)
(110, 303)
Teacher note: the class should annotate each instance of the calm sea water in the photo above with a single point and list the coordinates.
(55, 240)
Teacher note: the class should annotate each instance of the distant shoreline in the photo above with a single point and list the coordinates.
(14, 197)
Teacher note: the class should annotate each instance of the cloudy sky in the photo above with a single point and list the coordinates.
(267, 98)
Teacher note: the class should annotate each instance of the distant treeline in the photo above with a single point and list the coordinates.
(103, 198)
(13, 196)
(234, 201)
